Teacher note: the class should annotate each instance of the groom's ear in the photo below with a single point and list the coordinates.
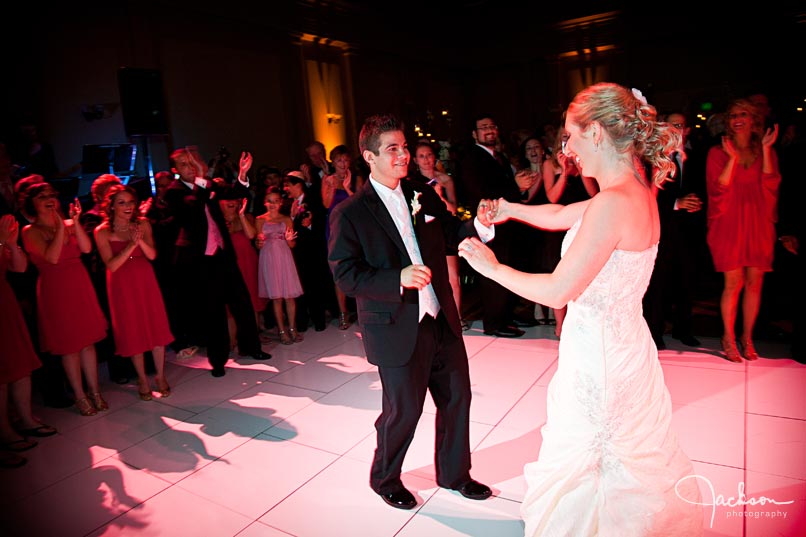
(369, 156)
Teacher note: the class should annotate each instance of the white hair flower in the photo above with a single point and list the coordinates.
(415, 205)
(638, 95)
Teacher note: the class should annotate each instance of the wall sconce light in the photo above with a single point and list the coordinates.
(334, 118)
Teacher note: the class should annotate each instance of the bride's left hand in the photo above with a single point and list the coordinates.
(478, 256)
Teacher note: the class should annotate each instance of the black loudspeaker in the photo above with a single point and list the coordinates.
(142, 102)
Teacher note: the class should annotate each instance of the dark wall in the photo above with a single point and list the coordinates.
(236, 80)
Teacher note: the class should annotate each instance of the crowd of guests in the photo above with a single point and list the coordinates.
(198, 263)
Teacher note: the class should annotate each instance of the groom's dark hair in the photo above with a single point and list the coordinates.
(374, 126)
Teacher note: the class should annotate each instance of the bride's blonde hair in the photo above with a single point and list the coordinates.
(631, 124)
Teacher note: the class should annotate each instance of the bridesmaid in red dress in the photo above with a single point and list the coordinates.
(69, 317)
(742, 179)
(17, 356)
(139, 321)
(241, 226)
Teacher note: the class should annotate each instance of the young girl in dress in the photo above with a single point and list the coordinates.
(277, 273)
(139, 322)
(69, 316)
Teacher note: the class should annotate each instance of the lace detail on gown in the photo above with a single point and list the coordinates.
(609, 460)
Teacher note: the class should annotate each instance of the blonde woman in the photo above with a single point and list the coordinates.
(742, 179)
(610, 462)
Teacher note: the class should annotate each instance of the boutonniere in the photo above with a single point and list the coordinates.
(415, 206)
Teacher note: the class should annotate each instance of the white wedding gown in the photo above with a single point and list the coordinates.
(609, 460)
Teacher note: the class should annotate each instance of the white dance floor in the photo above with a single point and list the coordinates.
(283, 448)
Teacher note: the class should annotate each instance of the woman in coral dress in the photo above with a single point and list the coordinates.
(742, 179)
(610, 462)
(139, 320)
(278, 279)
(17, 356)
(69, 317)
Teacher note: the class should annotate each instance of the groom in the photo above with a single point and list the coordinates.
(387, 249)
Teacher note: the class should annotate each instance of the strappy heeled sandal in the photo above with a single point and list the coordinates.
(85, 408)
(163, 387)
(295, 336)
(98, 401)
(145, 394)
(285, 339)
(749, 350)
(730, 350)
(344, 324)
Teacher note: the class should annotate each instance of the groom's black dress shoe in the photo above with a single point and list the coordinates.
(475, 490)
(505, 331)
(400, 499)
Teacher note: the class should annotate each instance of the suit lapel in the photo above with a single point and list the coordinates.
(378, 210)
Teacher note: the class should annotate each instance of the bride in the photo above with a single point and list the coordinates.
(609, 464)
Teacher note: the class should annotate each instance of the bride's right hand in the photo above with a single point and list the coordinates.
(499, 211)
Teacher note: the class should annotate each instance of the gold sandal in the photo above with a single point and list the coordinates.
(344, 324)
(295, 336)
(731, 352)
(285, 339)
(163, 387)
(98, 401)
(145, 394)
(750, 353)
(85, 408)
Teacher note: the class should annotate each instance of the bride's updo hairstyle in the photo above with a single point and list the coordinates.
(631, 124)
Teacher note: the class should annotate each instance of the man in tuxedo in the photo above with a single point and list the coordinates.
(484, 173)
(669, 293)
(208, 278)
(317, 167)
(387, 249)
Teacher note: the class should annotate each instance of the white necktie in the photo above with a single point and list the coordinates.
(428, 301)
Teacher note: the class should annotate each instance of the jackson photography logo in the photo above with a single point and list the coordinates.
(740, 500)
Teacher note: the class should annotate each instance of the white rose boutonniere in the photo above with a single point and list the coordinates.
(415, 205)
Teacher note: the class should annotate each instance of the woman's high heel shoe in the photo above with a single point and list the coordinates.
(98, 401)
(731, 352)
(144, 392)
(285, 339)
(85, 408)
(749, 350)
(344, 324)
(163, 387)
(295, 336)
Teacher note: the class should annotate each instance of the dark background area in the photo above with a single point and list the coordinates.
(232, 72)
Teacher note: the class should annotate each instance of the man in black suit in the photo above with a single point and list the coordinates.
(670, 290)
(387, 249)
(317, 167)
(484, 173)
(208, 278)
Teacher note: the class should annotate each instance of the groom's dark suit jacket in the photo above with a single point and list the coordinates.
(366, 255)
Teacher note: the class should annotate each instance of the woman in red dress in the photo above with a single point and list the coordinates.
(742, 179)
(241, 226)
(139, 321)
(68, 314)
(17, 356)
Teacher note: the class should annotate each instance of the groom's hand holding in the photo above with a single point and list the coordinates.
(415, 277)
